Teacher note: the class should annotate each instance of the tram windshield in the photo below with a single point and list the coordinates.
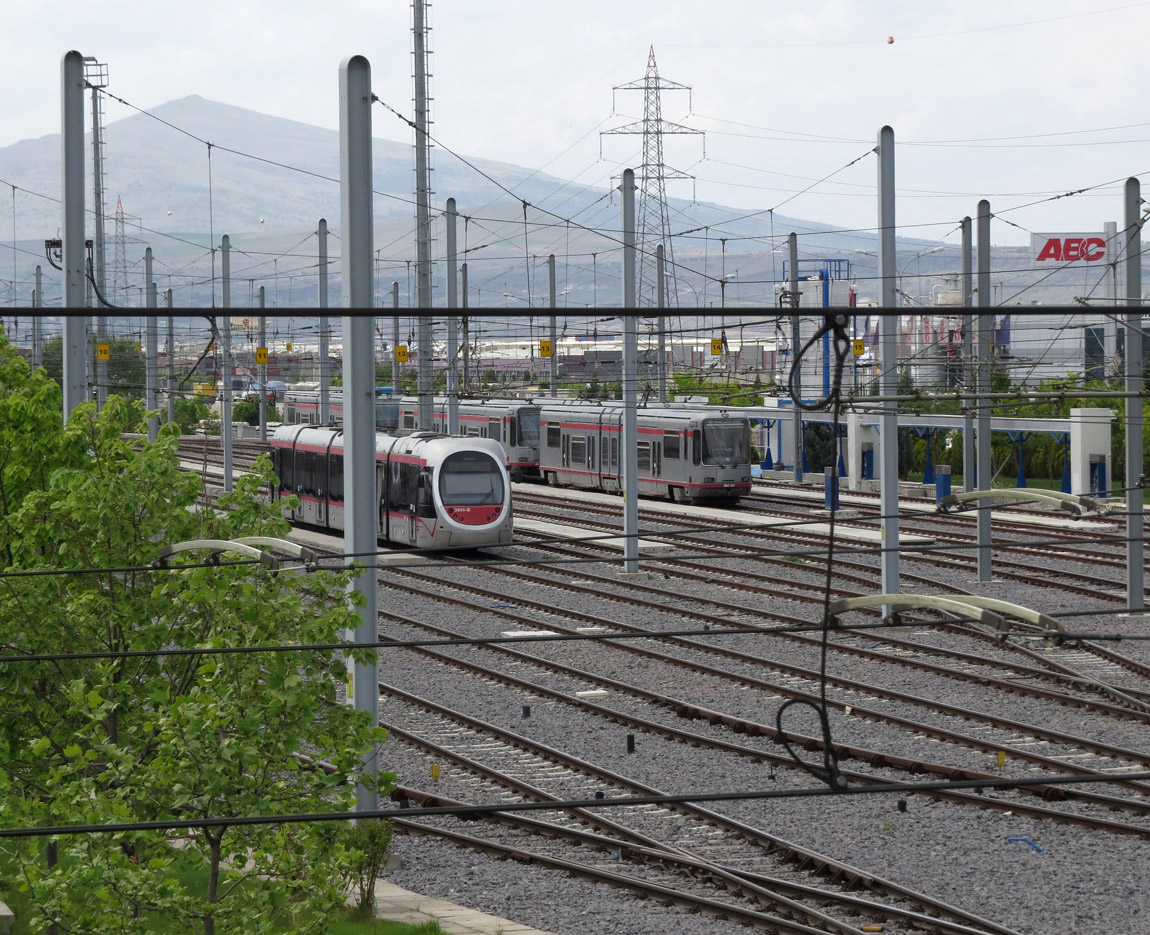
(470, 478)
(529, 427)
(726, 441)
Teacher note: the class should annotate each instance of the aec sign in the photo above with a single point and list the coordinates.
(1068, 248)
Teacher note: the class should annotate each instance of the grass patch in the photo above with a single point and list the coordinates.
(345, 922)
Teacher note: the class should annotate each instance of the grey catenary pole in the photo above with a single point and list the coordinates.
(628, 444)
(226, 358)
(324, 331)
(793, 291)
(362, 512)
(982, 359)
(171, 358)
(151, 341)
(888, 356)
(72, 231)
(661, 300)
(422, 212)
(452, 323)
(553, 336)
(263, 368)
(968, 468)
(1135, 530)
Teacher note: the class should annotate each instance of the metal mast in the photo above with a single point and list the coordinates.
(654, 225)
(95, 78)
(422, 205)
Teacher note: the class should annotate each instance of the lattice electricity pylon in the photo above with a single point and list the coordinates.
(120, 240)
(653, 224)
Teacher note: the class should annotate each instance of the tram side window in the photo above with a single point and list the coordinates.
(553, 434)
(670, 446)
(409, 420)
(306, 479)
(644, 449)
(398, 499)
(511, 433)
(335, 477)
(614, 451)
(579, 449)
(696, 445)
(494, 429)
(424, 503)
(281, 463)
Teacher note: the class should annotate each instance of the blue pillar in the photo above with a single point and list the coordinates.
(942, 484)
(1019, 438)
(866, 467)
(1065, 442)
(832, 489)
(928, 466)
(1098, 478)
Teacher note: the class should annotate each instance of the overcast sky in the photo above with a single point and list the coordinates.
(1020, 100)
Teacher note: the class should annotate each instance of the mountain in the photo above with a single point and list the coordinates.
(266, 181)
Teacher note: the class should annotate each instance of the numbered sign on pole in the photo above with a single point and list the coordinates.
(859, 347)
(103, 352)
(716, 347)
(544, 348)
(401, 353)
(261, 355)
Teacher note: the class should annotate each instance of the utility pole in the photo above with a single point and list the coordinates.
(796, 368)
(362, 514)
(554, 341)
(452, 324)
(324, 331)
(151, 398)
(888, 376)
(1135, 528)
(982, 384)
(171, 358)
(628, 444)
(263, 368)
(422, 213)
(37, 327)
(969, 464)
(95, 78)
(75, 346)
(464, 328)
(226, 358)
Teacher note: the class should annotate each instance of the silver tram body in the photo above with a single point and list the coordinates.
(513, 423)
(432, 491)
(302, 407)
(685, 455)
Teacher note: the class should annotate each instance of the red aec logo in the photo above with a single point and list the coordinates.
(1071, 249)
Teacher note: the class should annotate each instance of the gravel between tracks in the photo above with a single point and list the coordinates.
(1081, 881)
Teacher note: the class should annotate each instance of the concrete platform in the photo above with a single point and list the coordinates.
(567, 531)
(399, 905)
(728, 515)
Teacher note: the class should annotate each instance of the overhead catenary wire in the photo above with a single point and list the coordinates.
(976, 785)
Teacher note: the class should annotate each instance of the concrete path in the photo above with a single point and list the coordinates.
(400, 905)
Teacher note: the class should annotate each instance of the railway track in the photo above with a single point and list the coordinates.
(706, 697)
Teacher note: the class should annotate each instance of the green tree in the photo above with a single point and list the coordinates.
(193, 737)
(126, 370)
(248, 410)
(189, 412)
